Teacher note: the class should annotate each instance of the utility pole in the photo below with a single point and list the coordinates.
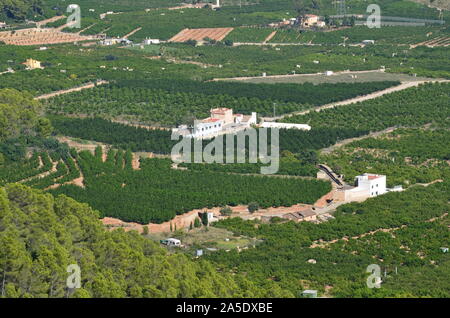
(274, 112)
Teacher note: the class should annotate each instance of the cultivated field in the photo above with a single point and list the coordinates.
(38, 36)
(217, 34)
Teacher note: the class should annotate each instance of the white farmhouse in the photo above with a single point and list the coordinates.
(367, 185)
(207, 127)
(222, 120)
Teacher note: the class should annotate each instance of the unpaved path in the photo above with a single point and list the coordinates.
(270, 36)
(70, 90)
(328, 150)
(42, 175)
(132, 32)
(46, 21)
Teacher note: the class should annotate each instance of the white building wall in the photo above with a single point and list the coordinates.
(374, 187)
(285, 126)
(205, 129)
(367, 186)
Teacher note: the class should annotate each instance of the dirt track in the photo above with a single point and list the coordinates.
(70, 90)
(350, 140)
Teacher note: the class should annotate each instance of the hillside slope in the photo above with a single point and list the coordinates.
(41, 235)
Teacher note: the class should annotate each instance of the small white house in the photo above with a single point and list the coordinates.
(375, 184)
(171, 242)
(221, 121)
(151, 41)
(367, 185)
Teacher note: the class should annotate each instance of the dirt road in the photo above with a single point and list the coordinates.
(70, 90)
(344, 142)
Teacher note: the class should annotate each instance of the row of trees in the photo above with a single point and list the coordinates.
(169, 102)
(306, 93)
(156, 193)
(119, 135)
(136, 139)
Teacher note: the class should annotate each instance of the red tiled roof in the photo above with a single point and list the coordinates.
(210, 120)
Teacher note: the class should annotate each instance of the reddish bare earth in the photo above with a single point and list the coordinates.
(217, 34)
(185, 220)
(38, 36)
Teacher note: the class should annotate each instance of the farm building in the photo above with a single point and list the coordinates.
(220, 121)
(312, 20)
(32, 64)
(367, 185)
(307, 215)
